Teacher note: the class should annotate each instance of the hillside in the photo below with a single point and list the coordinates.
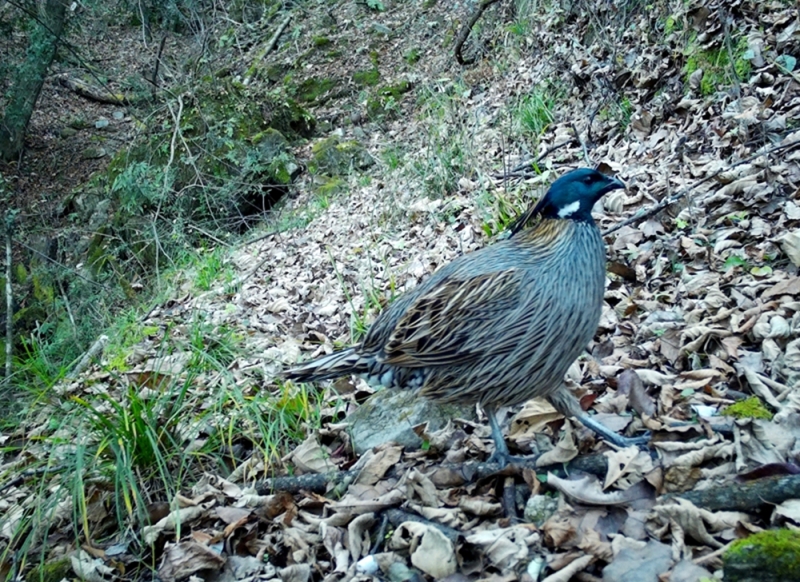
(157, 458)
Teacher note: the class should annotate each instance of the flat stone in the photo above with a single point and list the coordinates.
(390, 415)
(639, 565)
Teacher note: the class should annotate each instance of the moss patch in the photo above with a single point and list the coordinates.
(52, 572)
(368, 78)
(313, 89)
(384, 102)
(721, 68)
(335, 157)
(750, 408)
(775, 554)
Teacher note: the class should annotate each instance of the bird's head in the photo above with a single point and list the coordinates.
(574, 194)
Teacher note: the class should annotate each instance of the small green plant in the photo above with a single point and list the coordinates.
(134, 442)
(737, 217)
(535, 112)
(670, 25)
(519, 28)
(326, 190)
(412, 56)
(502, 212)
(624, 110)
(211, 348)
(392, 157)
(385, 101)
(211, 266)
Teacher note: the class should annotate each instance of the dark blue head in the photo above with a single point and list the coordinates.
(573, 195)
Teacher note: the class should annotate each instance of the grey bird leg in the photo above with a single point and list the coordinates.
(563, 401)
(500, 454)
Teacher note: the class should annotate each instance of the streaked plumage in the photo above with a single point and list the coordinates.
(500, 325)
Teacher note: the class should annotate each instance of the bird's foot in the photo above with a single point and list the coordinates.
(504, 459)
(612, 437)
(501, 455)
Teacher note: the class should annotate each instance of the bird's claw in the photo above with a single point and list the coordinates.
(504, 459)
(641, 441)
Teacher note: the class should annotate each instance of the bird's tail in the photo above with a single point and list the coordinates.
(331, 366)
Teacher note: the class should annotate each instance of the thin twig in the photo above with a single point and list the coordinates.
(209, 235)
(158, 65)
(381, 534)
(76, 273)
(274, 40)
(97, 348)
(463, 35)
(9, 298)
(595, 464)
(518, 171)
(19, 479)
(583, 145)
(259, 238)
(65, 297)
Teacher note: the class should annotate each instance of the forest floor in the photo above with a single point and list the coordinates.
(179, 428)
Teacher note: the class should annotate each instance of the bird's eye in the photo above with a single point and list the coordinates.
(588, 179)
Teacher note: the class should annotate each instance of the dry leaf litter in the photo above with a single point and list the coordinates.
(708, 312)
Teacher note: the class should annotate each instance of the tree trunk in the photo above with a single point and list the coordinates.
(29, 77)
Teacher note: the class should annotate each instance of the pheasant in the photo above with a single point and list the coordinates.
(500, 325)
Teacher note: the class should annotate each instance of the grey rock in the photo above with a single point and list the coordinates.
(390, 415)
(100, 216)
(241, 567)
(688, 571)
(93, 153)
(399, 572)
(639, 565)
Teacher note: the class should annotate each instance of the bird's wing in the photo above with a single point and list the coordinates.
(457, 320)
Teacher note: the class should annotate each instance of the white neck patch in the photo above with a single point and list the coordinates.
(569, 209)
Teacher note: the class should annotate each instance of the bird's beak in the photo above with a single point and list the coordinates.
(614, 183)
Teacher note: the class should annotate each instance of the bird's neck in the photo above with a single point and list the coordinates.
(548, 230)
(562, 237)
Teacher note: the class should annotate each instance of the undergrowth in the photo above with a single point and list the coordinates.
(122, 454)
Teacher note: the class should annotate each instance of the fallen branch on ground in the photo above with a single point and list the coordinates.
(463, 34)
(596, 464)
(748, 497)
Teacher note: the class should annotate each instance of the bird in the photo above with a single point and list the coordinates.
(500, 325)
